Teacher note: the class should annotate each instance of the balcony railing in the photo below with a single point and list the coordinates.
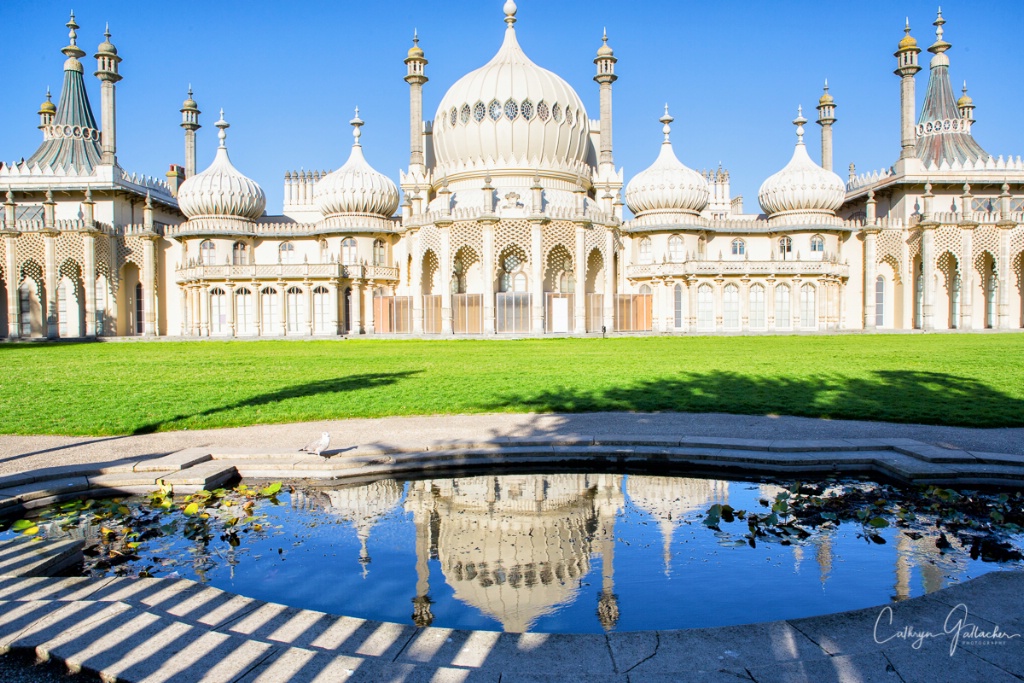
(759, 268)
(287, 271)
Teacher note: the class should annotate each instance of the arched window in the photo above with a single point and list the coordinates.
(879, 301)
(991, 285)
(678, 305)
(817, 244)
(566, 283)
(783, 311)
(321, 310)
(296, 309)
(324, 252)
(676, 252)
(645, 250)
(954, 301)
(140, 309)
(240, 254)
(645, 290)
(757, 307)
(731, 307)
(808, 307)
(286, 252)
(380, 257)
(27, 296)
(218, 311)
(101, 304)
(270, 314)
(785, 247)
(207, 253)
(245, 312)
(705, 307)
(62, 310)
(348, 251)
(519, 283)
(739, 247)
(511, 280)
(702, 246)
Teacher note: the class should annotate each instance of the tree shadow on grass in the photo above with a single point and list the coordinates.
(324, 387)
(890, 396)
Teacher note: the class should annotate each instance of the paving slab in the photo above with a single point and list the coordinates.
(206, 474)
(45, 489)
(50, 619)
(47, 588)
(134, 480)
(178, 460)
(984, 597)
(872, 667)
(630, 648)
(296, 665)
(31, 556)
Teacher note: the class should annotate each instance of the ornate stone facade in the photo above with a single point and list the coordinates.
(509, 219)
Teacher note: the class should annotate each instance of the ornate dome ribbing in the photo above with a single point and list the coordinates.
(511, 113)
(802, 186)
(356, 188)
(668, 186)
(221, 191)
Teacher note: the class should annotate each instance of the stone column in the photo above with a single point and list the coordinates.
(1005, 276)
(310, 311)
(332, 287)
(417, 284)
(745, 304)
(769, 304)
(204, 310)
(928, 270)
(13, 302)
(719, 284)
(149, 269)
(609, 280)
(357, 308)
(282, 300)
(446, 280)
(229, 289)
(89, 282)
(370, 322)
(580, 270)
(967, 277)
(870, 275)
(50, 276)
(186, 304)
(487, 265)
(691, 290)
(536, 279)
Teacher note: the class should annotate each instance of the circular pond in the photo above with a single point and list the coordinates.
(565, 552)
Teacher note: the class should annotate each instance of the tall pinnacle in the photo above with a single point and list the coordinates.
(356, 124)
(667, 128)
(799, 122)
(222, 133)
(510, 12)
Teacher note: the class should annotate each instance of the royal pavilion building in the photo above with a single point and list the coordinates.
(510, 219)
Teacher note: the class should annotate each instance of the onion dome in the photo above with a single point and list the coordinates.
(605, 50)
(667, 186)
(826, 99)
(802, 186)
(189, 104)
(48, 107)
(107, 47)
(356, 188)
(907, 41)
(511, 113)
(964, 101)
(415, 52)
(221, 191)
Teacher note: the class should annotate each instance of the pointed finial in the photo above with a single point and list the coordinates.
(799, 122)
(49, 97)
(190, 91)
(149, 200)
(415, 37)
(73, 27)
(604, 37)
(826, 85)
(88, 195)
(666, 128)
(223, 126)
(964, 90)
(356, 133)
(510, 12)
(906, 29)
(106, 31)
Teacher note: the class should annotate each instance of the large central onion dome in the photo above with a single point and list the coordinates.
(802, 187)
(356, 188)
(511, 113)
(221, 191)
(668, 186)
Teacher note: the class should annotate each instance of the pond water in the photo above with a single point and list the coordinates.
(560, 553)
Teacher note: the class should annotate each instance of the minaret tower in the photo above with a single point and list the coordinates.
(47, 110)
(826, 117)
(190, 122)
(106, 70)
(965, 104)
(416, 76)
(605, 62)
(906, 69)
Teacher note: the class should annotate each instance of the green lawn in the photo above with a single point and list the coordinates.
(104, 389)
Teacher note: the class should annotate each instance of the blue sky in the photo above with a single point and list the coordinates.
(289, 74)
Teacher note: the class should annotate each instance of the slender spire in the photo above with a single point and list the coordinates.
(222, 134)
(940, 45)
(799, 122)
(356, 124)
(71, 50)
(510, 12)
(667, 127)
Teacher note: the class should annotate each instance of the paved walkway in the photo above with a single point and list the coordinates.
(20, 453)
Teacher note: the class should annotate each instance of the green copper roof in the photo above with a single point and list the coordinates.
(73, 139)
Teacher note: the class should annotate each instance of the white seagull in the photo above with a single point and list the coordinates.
(319, 446)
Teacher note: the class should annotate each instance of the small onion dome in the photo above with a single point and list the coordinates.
(221, 191)
(802, 186)
(907, 41)
(189, 104)
(107, 47)
(667, 186)
(826, 99)
(356, 187)
(415, 52)
(964, 101)
(48, 107)
(605, 50)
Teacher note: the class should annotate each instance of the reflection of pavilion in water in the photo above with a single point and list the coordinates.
(516, 547)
